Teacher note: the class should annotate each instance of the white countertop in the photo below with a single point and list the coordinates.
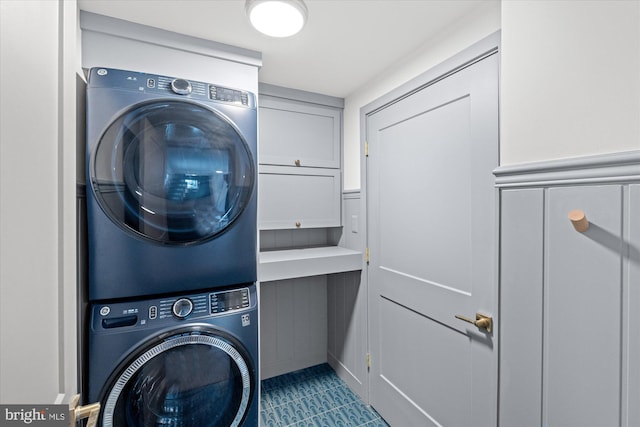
(292, 263)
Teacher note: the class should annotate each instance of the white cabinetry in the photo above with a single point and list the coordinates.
(299, 173)
(299, 197)
(299, 216)
(294, 133)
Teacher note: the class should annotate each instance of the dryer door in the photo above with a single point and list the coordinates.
(189, 380)
(173, 172)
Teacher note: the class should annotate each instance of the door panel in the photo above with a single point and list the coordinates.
(432, 234)
(447, 263)
(446, 366)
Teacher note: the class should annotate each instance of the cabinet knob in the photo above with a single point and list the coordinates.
(298, 224)
(297, 162)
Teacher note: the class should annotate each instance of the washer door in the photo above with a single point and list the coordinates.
(173, 172)
(188, 380)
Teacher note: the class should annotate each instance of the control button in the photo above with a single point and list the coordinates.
(153, 312)
(151, 83)
(105, 310)
(181, 86)
(182, 308)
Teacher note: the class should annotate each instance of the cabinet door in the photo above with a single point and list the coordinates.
(293, 133)
(298, 198)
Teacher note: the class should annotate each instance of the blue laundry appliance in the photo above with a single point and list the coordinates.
(171, 185)
(189, 360)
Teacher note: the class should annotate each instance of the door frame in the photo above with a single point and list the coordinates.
(485, 47)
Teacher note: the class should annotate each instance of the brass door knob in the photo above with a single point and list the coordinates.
(482, 321)
(76, 413)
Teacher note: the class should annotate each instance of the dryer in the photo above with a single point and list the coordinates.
(188, 360)
(171, 185)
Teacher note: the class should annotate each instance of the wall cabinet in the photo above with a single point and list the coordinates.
(298, 197)
(294, 133)
(299, 159)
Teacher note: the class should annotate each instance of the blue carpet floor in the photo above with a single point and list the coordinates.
(313, 397)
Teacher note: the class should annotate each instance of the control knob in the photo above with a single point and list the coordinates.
(181, 86)
(182, 308)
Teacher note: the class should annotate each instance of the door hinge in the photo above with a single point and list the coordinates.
(366, 255)
(366, 149)
(368, 361)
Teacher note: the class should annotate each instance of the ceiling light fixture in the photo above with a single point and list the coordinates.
(277, 18)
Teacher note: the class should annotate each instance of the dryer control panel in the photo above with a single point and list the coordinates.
(157, 84)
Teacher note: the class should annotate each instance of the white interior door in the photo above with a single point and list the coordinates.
(432, 239)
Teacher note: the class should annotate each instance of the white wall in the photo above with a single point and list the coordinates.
(37, 201)
(115, 43)
(484, 20)
(570, 78)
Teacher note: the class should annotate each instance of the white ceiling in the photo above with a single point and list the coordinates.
(345, 44)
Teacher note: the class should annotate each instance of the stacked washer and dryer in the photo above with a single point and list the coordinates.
(171, 220)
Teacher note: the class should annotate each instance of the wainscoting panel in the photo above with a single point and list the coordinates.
(631, 329)
(570, 300)
(521, 303)
(347, 307)
(293, 325)
(582, 308)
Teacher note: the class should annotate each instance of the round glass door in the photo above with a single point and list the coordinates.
(172, 172)
(190, 380)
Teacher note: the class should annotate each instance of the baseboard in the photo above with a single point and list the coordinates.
(348, 377)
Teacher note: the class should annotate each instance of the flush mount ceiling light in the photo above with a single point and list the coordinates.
(277, 18)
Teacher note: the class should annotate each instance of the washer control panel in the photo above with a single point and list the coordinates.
(182, 307)
(171, 309)
(223, 302)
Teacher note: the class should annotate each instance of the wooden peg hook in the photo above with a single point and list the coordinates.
(579, 220)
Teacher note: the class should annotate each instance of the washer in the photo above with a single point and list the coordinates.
(188, 360)
(171, 177)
